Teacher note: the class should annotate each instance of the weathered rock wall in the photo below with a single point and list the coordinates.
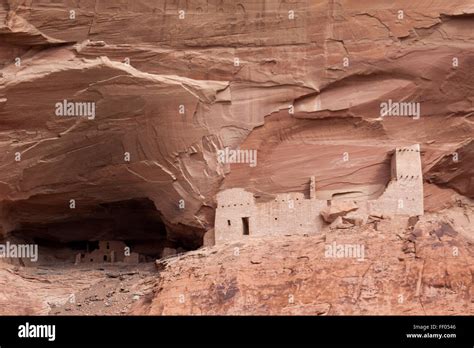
(301, 82)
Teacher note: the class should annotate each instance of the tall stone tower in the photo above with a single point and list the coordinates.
(404, 193)
(406, 163)
(312, 188)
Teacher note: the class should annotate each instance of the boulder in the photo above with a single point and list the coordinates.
(337, 209)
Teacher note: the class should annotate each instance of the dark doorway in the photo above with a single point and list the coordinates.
(245, 225)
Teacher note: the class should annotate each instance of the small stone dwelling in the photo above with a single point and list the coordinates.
(238, 215)
(108, 252)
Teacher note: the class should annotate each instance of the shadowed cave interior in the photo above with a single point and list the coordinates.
(133, 223)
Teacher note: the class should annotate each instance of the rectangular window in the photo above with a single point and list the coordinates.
(245, 226)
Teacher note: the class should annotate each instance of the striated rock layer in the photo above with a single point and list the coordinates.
(170, 83)
(173, 82)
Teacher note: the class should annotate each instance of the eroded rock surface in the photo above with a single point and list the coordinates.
(172, 87)
(301, 82)
(402, 268)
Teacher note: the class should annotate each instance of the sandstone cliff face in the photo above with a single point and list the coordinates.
(300, 82)
(394, 266)
(399, 268)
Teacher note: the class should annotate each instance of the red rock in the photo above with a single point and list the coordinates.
(338, 209)
(304, 92)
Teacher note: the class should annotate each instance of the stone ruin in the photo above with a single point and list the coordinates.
(108, 252)
(238, 215)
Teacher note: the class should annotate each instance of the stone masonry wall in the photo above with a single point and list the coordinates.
(239, 216)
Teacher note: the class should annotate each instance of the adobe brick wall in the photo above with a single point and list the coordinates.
(109, 251)
(292, 213)
(404, 193)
